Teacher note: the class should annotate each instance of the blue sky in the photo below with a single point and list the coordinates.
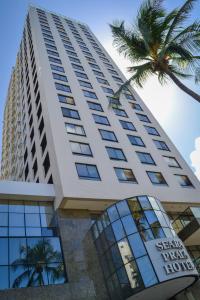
(177, 113)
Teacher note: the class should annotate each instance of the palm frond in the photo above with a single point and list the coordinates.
(128, 42)
(181, 15)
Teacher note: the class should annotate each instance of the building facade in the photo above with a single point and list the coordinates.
(63, 128)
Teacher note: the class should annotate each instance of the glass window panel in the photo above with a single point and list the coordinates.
(3, 205)
(36, 246)
(48, 231)
(47, 220)
(32, 220)
(16, 219)
(129, 224)
(113, 213)
(46, 207)
(133, 275)
(17, 250)
(35, 270)
(122, 276)
(105, 219)
(125, 251)
(118, 230)
(4, 219)
(4, 251)
(144, 202)
(4, 284)
(134, 205)
(116, 257)
(3, 231)
(167, 232)
(154, 203)
(114, 289)
(147, 235)
(151, 217)
(16, 206)
(123, 208)
(145, 268)
(56, 273)
(53, 249)
(137, 245)
(16, 231)
(103, 242)
(33, 231)
(161, 218)
(31, 207)
(109, 235)
(158, 232)
(140, 220)
(95, 231)
(99, 225)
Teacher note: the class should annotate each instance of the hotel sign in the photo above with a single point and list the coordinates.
(170, 258)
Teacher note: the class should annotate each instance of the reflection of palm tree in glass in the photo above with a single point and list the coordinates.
(37, 262)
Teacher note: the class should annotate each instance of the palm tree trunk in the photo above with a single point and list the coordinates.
(183, 87)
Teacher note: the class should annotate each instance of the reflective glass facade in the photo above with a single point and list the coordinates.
(120, 235)
(31, 253)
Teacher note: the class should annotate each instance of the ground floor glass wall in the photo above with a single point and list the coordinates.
(30, 248)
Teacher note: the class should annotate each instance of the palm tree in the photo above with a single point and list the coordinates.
(161, 44)
(36, 262)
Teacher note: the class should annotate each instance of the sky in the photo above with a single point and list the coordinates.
(177, 113)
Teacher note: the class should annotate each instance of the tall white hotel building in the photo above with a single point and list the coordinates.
(87, 186)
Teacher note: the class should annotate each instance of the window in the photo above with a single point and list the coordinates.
(85, 84)
(120, 112)
(171, 161)
(95, 106)
(66, 99)
(145, 158)
(98, 73)
(74, 59)
(125, 175)
(57, 68)
(94, 66)
(129, 97)
(161, 145)
(156, 177)
(136, 140)
(50, 46)
(87, 53)
(87, 171)
(50, 52)
(101, 80)
(70, 113)
(184, 181)
(101, 120)
(89, 94)
(143, 118)
(59, 77)
(151, 130)
(55, 60)
(117, 79)
(81, 75)
(43, 143)
(69, 47)
(127, 125)
(136, 106)
(115, 153)
(113, 72)
(80, 148)
(108, 135)
(107, 90)
(62, 87)
(75, 129)
(77, 67)
(71, 53)
(46, 164)
(90, 59)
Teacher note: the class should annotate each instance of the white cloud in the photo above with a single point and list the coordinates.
(195, 157)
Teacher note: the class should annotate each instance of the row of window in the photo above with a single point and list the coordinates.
(88, 171)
